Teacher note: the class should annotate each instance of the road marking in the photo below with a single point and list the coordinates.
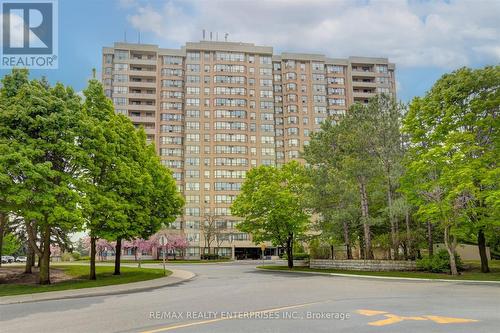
(370, 312)
(392, 318)
(450, 320)
(203, 322)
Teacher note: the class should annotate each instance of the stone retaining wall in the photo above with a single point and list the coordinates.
(364, 265)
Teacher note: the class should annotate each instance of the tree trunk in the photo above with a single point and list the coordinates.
(365, 217)
(409, 244)
(44, 270)
(481, 243)
(289, 251)
(331, 252)
(347, 242)
(430, 242)
(450, 247)
(3, 222)
(30, 260)
(118, 252)
(92, 275)
(394, 234)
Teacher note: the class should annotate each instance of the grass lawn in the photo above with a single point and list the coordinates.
(80, 280)
(473, 273)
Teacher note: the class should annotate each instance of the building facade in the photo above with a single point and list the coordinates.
(216, 109)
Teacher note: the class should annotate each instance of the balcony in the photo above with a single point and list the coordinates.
(142, 120)
(362, 84)
(141, 84)
(142, 107)
(142, 95)
(363, 94)
(142, 61)
(359, 72)
(135, 72)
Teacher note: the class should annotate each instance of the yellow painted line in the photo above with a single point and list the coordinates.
(370, 312)
(392, 319)
(450, 320)
(203, 322)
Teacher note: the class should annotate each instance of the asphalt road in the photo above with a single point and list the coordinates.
(238, 298)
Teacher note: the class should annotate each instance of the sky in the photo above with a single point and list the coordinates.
(424, 38)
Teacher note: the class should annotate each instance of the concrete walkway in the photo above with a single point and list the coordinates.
(176, 277)
(383, 277)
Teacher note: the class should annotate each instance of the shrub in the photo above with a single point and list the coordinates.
(438, 263)
(319, 250)
(76, 255)
(297, 256)
(66, 256)
(209, 256)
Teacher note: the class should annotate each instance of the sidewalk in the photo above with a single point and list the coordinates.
(177, 276)
(494, 283)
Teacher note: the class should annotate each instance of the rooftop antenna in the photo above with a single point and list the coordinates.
(225, 36)
(203, 34)
(138, 37)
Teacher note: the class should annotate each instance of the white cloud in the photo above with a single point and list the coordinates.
(414, 33)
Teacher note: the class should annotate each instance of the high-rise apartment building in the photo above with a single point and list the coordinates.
(216, 109)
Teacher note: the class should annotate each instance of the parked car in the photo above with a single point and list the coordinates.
(21, 259)
(7, 259)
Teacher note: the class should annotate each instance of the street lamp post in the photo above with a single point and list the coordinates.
(262, 248)
(163, 242)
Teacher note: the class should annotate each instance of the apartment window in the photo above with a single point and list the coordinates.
(120, 90)
(335, 80)
(229, 56)
(381, 68)
(120, 67)
(193, 68)
(334, 69)
(121, 54)
(193, 102)
(171, 60)
(336, 91)
(266, 71)
(193, 56)
(264, 60)
(119, 101)
(193, 90)
(193, 79)
(192, 173)
(316, 66)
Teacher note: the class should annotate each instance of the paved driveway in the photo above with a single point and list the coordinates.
(238, 298)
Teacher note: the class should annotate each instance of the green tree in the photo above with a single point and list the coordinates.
(452, 164)
(131, 195)
(272, 205)
(11, 244)
(345, 147)
(40, 154)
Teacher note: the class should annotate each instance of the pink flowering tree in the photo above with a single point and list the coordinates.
(55, 250)
(139, 245)
(174, 242)
(102, 247)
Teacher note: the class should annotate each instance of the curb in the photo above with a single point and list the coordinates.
(493, 283)
(177, 276)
